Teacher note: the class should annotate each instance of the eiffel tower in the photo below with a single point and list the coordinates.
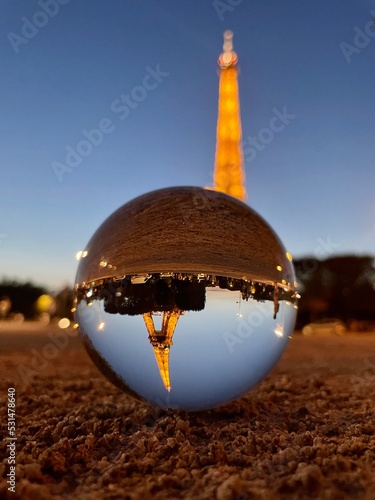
(229, 173)
(161, 340)
(229, 178)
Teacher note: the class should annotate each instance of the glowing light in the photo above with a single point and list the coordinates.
(230, 105)
(229, 173)
(228, 40)
(81, 254)
(227, 58)
(45, 318)
(289, 256)
(279, 331)
(45, 303)
(298, 296)
(279, 268)
(73, 309)
(103, 263)
(75, 326)
(101, 326)
(64, 323)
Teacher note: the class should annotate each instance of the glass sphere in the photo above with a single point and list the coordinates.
(185, 298)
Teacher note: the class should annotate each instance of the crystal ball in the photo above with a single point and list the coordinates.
(185, 298)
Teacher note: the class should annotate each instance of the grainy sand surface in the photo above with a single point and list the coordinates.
(307, 431)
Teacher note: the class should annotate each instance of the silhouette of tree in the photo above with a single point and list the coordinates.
(340, 286)
(64, 303)
(22, 296)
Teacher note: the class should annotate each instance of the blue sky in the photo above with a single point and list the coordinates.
(65, 68)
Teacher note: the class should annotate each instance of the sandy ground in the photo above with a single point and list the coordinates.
(307, 431)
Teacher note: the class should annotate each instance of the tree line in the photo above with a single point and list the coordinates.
(340, 287)
(22, 298)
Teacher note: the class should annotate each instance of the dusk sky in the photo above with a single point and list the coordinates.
(145, 73)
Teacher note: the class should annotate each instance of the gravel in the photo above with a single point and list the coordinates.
(307, 431)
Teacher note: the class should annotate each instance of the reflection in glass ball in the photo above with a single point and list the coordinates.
(185, 298)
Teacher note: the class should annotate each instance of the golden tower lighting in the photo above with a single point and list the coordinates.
(229, 178)
(161, 340)
(229, 173)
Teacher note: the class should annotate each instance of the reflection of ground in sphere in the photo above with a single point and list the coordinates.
(185, 298)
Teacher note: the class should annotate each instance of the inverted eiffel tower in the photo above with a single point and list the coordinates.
(161, 340)
(229, 172)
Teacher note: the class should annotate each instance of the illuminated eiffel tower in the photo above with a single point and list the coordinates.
(161, 340)
(229, 178)
(229, 173)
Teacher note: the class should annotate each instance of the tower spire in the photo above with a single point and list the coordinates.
(229, 173)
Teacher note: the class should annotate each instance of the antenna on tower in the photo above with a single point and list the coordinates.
(228, 41)
(228, 57)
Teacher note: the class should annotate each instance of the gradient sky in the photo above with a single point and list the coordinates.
(313, 182)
